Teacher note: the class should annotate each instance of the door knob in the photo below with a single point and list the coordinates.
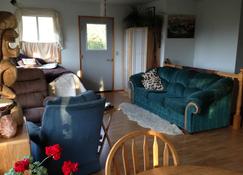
(109, 60)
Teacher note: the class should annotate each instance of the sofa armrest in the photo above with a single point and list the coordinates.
(136, 80)
(202, 99)
(196, 103)
(199, 101)
(222, 87)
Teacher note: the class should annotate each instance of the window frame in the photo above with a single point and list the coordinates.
(37, 27)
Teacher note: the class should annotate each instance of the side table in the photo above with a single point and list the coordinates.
(14, 149)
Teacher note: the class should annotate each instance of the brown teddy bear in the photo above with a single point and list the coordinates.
(8, 75)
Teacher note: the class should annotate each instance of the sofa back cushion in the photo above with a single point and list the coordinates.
(167, 73)
(203, 80)
(176, 80)
(183, 82)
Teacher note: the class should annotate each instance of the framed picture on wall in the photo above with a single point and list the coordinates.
(181, 26)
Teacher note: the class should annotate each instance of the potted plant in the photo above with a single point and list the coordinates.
(27, 166)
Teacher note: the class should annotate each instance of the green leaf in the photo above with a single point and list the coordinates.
(12, 172)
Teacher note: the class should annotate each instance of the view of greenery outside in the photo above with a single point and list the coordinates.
(96, 37)
(95, 43)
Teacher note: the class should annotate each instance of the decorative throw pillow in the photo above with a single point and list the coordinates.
(151, 81)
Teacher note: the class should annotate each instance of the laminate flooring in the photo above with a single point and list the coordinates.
(222, 148)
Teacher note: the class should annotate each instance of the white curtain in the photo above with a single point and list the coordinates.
(41, 12)
(50, 52)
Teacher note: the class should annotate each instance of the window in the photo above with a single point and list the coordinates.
(96, 37)
(38, 29)
(40, 33)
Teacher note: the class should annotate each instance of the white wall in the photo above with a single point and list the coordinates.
(69, 13)
(180, 51)
(216, 37)
(217, 29)
(6, 6)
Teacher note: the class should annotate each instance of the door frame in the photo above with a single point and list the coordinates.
(113, 46)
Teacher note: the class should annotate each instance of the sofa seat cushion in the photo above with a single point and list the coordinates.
(176, 104)
(156, 97)
(141, 92)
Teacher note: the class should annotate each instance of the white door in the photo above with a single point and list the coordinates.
(96, 39)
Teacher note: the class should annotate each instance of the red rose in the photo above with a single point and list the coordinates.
(21, 165)
(54, 151)
(69, 167)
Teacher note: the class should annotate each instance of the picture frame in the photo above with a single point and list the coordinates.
(181, 26)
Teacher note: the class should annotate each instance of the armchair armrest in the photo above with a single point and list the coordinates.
(34, 132)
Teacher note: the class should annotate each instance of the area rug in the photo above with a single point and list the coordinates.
(147, 119)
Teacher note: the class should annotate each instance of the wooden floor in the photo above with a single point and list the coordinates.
(221, 148)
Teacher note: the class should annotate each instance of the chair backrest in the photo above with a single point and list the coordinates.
(120, 144)
(76, 127)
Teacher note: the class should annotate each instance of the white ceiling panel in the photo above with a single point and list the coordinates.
(111, 1)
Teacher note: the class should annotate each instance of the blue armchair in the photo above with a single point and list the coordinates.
(75, 124)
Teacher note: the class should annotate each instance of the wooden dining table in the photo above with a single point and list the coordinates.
(189, 170)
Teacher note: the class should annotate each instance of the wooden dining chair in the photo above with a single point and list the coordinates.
(122, 145)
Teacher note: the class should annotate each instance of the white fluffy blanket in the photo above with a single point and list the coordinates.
(147, 119)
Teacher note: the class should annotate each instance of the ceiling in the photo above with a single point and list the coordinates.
(114, 1)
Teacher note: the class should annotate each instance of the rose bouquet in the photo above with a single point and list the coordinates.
(28, 167)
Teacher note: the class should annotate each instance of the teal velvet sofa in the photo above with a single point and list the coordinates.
(192, 100)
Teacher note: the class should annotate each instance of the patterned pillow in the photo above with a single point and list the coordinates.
(151, 81)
